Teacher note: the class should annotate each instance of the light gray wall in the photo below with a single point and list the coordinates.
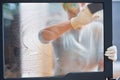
(116, 25)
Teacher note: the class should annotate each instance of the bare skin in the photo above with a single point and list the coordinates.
(55, 31)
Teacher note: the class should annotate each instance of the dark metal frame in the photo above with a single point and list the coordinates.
(108, 69)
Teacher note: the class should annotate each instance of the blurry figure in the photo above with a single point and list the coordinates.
(78, 42)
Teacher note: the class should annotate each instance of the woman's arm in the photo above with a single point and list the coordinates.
(55, 31)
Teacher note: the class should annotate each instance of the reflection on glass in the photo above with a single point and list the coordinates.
(35, 47)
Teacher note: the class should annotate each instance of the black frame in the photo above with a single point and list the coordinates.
(108, 69)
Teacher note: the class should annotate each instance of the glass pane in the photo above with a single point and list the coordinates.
(39, 42)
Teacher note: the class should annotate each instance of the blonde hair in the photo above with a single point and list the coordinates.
(70, 6)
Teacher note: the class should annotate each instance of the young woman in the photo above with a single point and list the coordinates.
(78, 42)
